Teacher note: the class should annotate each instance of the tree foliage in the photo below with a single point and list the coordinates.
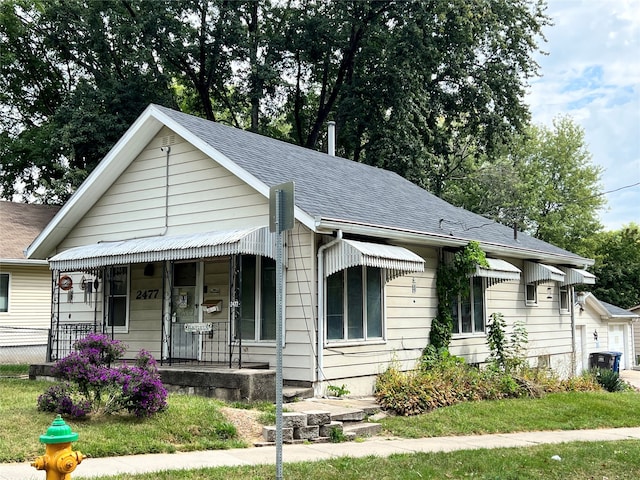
(617, 266)
(73, 77)
(421, 88)
(545, 183)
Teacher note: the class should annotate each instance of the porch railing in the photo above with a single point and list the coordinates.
(63, 338)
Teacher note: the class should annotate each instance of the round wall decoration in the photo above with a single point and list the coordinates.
(65, 282)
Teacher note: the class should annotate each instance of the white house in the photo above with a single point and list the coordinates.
(25, 284)
(166, 245)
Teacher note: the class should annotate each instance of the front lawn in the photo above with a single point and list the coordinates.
(196, 423)
(554, 411)
(190, 423)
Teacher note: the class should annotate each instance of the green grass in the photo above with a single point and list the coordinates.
(14, 370)
(579, 461)
(190, 423)
(195, 423)
(558, 411)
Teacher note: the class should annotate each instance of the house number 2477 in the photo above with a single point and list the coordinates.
(146, 294)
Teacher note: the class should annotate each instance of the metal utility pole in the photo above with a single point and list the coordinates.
(281, 216)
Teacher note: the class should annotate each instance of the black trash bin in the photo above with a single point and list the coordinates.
(605, 360)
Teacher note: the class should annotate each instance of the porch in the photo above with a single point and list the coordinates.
(253, 382)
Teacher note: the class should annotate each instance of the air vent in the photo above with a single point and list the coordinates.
(168, 140)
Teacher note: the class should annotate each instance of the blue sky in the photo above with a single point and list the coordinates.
(592, 74)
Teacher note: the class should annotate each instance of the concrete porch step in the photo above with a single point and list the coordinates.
(361, 429)
(293, 394)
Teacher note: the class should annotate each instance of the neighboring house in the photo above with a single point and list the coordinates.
(167, 247)
(25, 284)
(636, 336)
(602, 327)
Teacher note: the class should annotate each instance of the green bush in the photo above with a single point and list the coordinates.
(442, 384)
(609, 380)
(442, 379)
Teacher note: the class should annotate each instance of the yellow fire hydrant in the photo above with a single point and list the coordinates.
(59, 459)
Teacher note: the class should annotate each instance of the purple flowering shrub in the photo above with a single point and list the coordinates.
(100, 349)
(62, 398)
(92, 385)
(142, 391)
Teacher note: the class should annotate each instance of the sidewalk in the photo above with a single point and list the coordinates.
(95, 467)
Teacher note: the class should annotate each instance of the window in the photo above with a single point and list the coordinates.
(531, 294)
(4, 292)
(258, 298)
(468, 312)
(118, 306)
(564, 300)
(354, 304)
(544, 361)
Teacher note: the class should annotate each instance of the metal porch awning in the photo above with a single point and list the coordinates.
(252, 241)
(498, 271)
(539, 272)
(395, 260)
(576, 276)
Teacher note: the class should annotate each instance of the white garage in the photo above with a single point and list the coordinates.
(602, 327)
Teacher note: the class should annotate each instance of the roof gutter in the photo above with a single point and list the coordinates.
(26, 261)
(328, 225)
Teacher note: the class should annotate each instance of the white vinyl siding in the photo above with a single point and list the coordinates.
(410, 304)
(201, 196)
(549, 332)
(145, 311)
(28, 316)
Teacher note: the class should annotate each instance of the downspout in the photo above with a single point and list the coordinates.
(319, 364)
(166, 191)
(573, 331)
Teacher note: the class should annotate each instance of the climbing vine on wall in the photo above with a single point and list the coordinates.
(452, 280)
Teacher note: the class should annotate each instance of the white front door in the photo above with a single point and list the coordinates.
(617, 342)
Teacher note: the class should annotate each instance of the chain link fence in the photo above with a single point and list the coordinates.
(23, 345)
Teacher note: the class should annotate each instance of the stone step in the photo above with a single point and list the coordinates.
(293, 394)
(362, 429)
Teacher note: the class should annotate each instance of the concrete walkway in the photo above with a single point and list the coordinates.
(95, 467)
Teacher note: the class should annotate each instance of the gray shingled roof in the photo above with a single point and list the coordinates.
(341, 189)
(616, 311)
(20, 223)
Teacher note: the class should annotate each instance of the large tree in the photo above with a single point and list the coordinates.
(617, 266)
(74, 75)
(422, 88)
(545, 183)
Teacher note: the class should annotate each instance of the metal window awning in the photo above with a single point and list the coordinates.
(539, 272)
(350, 253)
(498, 271)
(576, 276)
(253, 241)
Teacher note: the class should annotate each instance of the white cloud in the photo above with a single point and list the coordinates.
(592, 73)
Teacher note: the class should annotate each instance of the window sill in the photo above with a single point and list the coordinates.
(353, 343)
(531, 304)
(117, 330)
(258, 343)
(463, 336)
